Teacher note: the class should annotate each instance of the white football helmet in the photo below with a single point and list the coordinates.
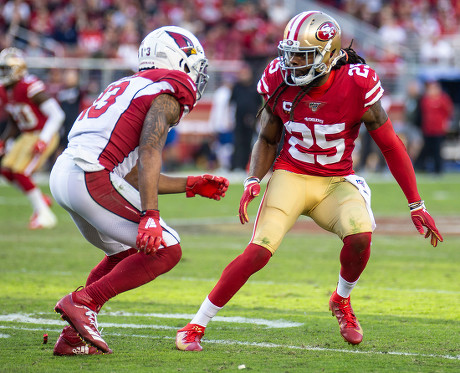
(12, 66)
(175, 48)
(316, 35)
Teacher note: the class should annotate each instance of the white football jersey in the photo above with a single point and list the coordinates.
(106, 134)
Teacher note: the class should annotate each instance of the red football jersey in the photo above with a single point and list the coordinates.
(17, 102)
(321, 136)
(109, 130)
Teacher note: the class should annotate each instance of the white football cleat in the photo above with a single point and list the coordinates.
(44, 219)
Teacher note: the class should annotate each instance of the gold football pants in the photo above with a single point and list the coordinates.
(21, 159)
(332, 202)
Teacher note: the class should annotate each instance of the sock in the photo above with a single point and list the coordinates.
(107, 264)
(344, 287)
(206, 312)
(131, 272)
(24, 182)
(353, 258)
(7, 174)
(236, 274)
(36, 199)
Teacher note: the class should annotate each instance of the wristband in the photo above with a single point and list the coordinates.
(150, 211)
(417, 205)
(250, 180)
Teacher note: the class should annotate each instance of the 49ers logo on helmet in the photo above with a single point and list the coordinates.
(326, 31)
(183, 42)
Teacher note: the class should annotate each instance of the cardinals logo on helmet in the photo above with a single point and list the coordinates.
(326, 31)
(184, 43)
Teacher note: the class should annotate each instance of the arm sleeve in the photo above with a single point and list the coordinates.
(55, 119)
(397, 159)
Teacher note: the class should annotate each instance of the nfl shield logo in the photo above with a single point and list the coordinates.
(314, 106)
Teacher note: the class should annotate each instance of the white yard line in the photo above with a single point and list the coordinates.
(262, 345)
(31, 319)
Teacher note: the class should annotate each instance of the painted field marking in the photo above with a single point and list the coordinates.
(267, 345)
(30, 319)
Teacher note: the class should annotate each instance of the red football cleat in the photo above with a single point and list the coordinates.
(349, 326)
(69, 343)
(83, 320)
(189, 337)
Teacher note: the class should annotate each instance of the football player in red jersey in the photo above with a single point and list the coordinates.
(108, 179)
(35, 119)
(320, 93)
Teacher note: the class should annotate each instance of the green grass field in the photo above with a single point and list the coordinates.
(407, 299)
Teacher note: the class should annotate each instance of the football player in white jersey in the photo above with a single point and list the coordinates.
(109, 178)
(32, 132)
(320, 93)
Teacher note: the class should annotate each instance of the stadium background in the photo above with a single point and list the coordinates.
(406, 41)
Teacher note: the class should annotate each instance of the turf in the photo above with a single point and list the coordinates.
(407, 298)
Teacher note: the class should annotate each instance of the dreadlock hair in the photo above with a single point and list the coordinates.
(351, 57)
(278, 91)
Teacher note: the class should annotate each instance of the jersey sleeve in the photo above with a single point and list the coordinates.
(172, 82)
(184, 88)
(33, 86)
(372, 88)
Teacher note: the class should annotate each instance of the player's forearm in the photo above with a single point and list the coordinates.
(148, 178)
(262, 158)
(171, 184)
(166, 184)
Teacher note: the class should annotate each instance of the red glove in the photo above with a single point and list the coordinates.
(251, 190)
(421, 218)
(150, 233)
(39, 147)
(209, 186)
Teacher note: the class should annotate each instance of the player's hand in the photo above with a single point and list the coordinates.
(39, 147)
(421, 218)
(150, 233)
(208, 186)
(251, 190)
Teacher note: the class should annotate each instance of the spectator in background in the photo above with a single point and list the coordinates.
(390, 31)
(222, 121)
(70, 97)
(436, 51)
(436, 109)
(412, 119)
(246, 102)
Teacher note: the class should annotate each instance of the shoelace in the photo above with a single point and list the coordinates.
(92, 316)
(191, 335)
(348, 315)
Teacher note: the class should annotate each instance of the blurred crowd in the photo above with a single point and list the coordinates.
(421, 31)
(427, 28)
(228, 29)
